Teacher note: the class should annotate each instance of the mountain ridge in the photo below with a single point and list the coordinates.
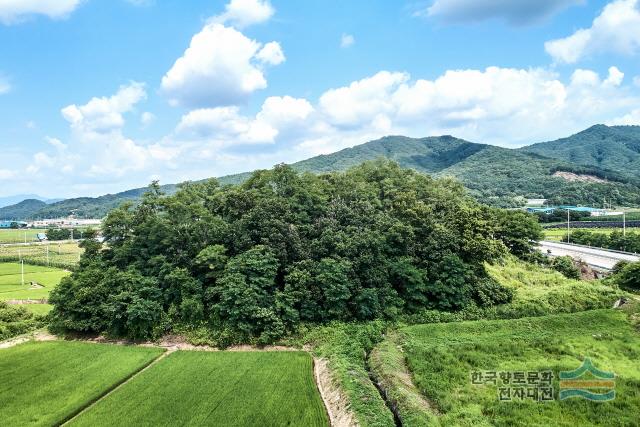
(495, 175)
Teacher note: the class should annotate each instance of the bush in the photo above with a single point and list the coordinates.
(566, 266)
(628, 276)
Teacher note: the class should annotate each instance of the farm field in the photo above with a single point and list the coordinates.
(11, 284)
(442, 357)
(20, 235)
(45, 383)
(216, 388)
(64, 255)
(559, 233)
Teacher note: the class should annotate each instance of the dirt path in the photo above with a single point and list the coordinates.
(337, 405)
(35, 336)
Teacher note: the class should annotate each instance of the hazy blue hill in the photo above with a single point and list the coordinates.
(21, 210)
(90, 207)
(614, 148)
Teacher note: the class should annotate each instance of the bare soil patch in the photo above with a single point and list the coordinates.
(337, 405)
(570, 176)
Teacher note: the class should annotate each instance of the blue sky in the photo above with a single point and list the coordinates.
(101, 96)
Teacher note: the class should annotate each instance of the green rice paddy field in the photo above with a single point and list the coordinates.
(20, 235)
(561, 233)
(50, 382)
(45, 383)
(442, 357)
(63, 255)
(11, 287)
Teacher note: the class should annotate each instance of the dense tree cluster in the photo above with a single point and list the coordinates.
(69, 233)
(284, 248)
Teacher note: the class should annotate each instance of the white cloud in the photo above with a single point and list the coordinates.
(14, 11)
(226, 126)
(616, 30)
(502, 106)
(615, 77)
(631, 118)
(271, 53)
(515, 12)
(243, 13)
(221, 67)
(104, 115)
(361, 100)
(347, 40)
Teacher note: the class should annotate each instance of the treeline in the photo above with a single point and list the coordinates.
(616, 240)
(69, 233)
(252, 262)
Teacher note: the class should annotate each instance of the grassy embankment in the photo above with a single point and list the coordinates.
(441, 358)
(45, 383)
(537, 292)
(425, 369)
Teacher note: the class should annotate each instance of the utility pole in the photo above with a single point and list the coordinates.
(47, 254)
(624, 224)
(568, 225)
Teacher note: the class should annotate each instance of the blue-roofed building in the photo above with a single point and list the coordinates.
(8, 224)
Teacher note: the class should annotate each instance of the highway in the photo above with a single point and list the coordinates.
(594, 257)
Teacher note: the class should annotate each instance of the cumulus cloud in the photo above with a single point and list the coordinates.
(502, 106)
(243, 13)
(616, 29)
(104, 115)
(347, 40)
(221, 67)
(271, 53)
(15, 11)
(228, 127)
(520, 12)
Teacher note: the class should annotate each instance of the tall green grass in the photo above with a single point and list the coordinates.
(441, 358)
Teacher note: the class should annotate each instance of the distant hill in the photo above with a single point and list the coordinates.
(21, 210)
(615, 148)
(12, 200)
(600, 162)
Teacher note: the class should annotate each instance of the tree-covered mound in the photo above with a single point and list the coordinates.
(254, 261)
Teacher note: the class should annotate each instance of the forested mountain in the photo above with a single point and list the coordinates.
(614, 148)
(21, 210)
(600, 162)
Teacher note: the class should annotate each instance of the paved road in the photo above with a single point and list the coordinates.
(598, 258)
